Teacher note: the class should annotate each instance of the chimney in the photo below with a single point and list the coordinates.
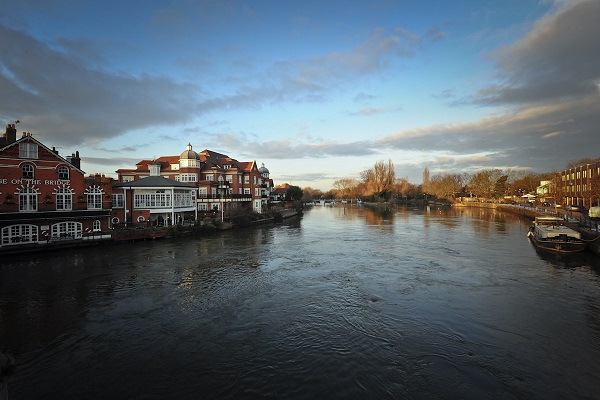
(75, 160)
(11, 133)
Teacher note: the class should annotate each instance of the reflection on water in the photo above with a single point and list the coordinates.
(347, 302)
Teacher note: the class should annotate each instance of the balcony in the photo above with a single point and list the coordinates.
(228, 198)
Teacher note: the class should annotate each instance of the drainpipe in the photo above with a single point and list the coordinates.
(196, 208)
(125, 205)
(173, 205)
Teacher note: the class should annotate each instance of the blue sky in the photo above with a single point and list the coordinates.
(318, 91)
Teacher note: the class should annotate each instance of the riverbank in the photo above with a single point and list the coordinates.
(140, 233)
(588, 230)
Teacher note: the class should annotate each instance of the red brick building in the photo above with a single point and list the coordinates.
(224, 183)
(576, 185)
(45, 197)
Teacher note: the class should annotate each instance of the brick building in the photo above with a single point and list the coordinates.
(577, 185)
(224, 183)
(46, 198)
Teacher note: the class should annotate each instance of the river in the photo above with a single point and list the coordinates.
(343, 303)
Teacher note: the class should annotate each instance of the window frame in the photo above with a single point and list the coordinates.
(28, 150)
(64, 199)
(63, 173)
(28, 200)
(30, 173)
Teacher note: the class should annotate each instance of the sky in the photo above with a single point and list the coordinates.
(316, 90)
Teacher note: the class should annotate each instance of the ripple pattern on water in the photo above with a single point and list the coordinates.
(344, 303)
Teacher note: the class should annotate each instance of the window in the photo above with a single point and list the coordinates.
(63, 173)
(64, 199)
(70, 230)
(246, 191)
(187, 178)
(94, 198)
(19, 234)
(141, 218)
(117, 200)
(114, 220)
(28, 150)
(125, 179)
(246, 179)
(229, 178)
(202, 207)
(202, 193)
(96, 227)
(209, 177)
(152, 200)
(154, 169)
(27, 171)
(28, 199)
(182, 199)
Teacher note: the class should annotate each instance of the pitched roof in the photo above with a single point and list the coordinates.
(47, 150)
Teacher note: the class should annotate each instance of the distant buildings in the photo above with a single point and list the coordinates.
(580, 186)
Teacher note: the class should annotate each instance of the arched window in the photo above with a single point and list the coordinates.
(19, 234)
(141, 218)
(27, 171)
(63, 173)
(94, 198)
(96, 227)
(28, 199)
(67, 230)
(64, 199)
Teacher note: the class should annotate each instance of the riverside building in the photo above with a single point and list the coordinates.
(224, 184)
(576, 185)
(45, 198)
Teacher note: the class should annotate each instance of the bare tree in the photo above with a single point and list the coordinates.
(581, 161)
(425, 184)
(345, 187)
(483, 183)
(446, 186)
(594, 189)
(379, 180)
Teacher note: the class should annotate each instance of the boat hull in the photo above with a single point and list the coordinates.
(557, 245)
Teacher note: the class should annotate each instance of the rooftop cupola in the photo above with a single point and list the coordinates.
(189, 158)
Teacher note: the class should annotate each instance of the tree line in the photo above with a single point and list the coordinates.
(380, 183)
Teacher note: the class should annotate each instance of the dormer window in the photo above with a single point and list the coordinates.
(154, 169)
(28, 150)
(227, 166)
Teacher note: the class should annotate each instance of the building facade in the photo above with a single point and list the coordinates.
(46, 198)
(579, 186)
(224, 184)
(154, 201)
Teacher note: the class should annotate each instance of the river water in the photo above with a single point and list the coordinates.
(344, 303)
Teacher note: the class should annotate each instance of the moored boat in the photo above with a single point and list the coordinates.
(550, 233)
